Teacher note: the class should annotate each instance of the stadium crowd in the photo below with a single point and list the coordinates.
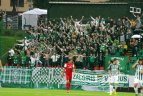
(89, 41)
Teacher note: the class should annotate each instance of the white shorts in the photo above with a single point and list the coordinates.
(139, 82)
(113, 79)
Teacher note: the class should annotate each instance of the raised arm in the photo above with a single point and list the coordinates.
(72, 19)
(62, 21)
(134, 15)
(81, 19)
(128, 19)
(92, 18)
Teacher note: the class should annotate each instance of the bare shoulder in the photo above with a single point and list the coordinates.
(0, 61)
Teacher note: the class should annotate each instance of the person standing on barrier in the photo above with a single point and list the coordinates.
(1, 70)
(68, 70)
(113, 70)
(138, 80)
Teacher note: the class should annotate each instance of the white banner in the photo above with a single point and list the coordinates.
(87, 79)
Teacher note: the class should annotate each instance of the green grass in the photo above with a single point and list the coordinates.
(46, 92)
(6, 42)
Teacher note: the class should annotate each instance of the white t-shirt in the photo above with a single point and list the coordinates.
(11, 52)
(77, 26)
(32, 60)
(55, 58)
(37, 56)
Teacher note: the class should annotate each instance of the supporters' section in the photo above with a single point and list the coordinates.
(99, 36)
(103, 42)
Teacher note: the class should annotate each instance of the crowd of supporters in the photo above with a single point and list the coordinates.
(89, 41)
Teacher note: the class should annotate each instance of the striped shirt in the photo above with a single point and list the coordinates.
(114, 69)
(138, 74)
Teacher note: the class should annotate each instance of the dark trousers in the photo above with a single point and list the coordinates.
(78, 65)
(46, 63)
(91, 65)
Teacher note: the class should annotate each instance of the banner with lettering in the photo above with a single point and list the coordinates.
(80, 77)
(97, 80)
(52, 78)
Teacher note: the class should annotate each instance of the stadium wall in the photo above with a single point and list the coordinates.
(114, 10)
(58, 10)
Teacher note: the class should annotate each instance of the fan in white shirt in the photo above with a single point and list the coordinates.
(55, 57)
(96, 20)
(77, 23)
(11, 52)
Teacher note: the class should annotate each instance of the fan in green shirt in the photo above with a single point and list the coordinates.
(16, 59)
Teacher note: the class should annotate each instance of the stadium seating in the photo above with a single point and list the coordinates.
(62, 40)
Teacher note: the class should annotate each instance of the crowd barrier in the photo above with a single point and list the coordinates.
(51, 78)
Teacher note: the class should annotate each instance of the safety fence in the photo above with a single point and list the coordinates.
(52, 78)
